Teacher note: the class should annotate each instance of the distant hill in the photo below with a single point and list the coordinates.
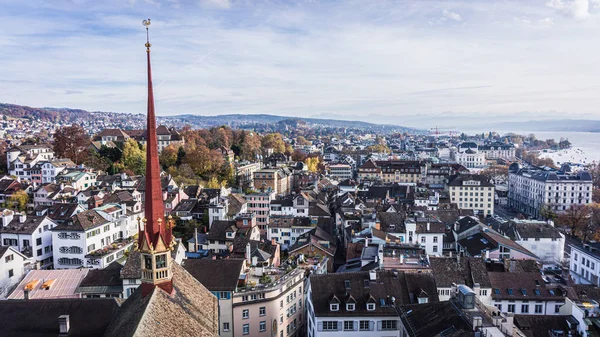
(576, 125)
(260, 121)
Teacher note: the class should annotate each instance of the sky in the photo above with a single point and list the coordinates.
(370, 60)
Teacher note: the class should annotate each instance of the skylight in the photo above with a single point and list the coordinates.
(524, 292)
(510, 291)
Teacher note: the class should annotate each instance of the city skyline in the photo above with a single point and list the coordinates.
(341, 60)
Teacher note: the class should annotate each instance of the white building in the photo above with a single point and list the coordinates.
(531, 189)
(584, 263)
(95, 238)
(360, 303)
(31, 236)
(539, 237)
(12, 269)
(473, 192)
(285, 229)
(20, 159)
(340, 171)
(428, 233)
(468, 155)
(498, 150)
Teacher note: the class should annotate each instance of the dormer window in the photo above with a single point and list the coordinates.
(334, 307)
(350, 307)
(370, 306)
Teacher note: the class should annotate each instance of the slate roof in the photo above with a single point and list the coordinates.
(105, 280)
(223, 276)
(431, 319)
(318, 209)
(88, 317)
(477, 243)
(448, 270)
(466, 223)
(459, 179)
(190, 311)
(219, 228)
(236, 202)
(83, 221)
(28, 227)
(132, 269)
(539, 325)
(386, 219)
(400, 285)
(61, 212)
(516, 230)
(505, 283)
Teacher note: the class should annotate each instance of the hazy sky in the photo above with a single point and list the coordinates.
(364, 59)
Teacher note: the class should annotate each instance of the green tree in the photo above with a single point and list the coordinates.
(18, 201)
(134, 157)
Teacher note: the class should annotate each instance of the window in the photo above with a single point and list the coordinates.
(423, 239)
(511, 308)
(38, 241)
(223, 294)
(263, 326)
(510, 291)
(496, 291)
(350, 306)
(9, 258)
(245, 314)
(483, 292)
(363, 325)
(557, 307)
(161, 261)
(538, 308)
(348, 325)
(435, 249)
(524, 292)
(330, 326)
(39, 252)
(334, 307)
(370, 306)
(388, 325)
(246, 329)
(499, 306)
(10, 273)
(147, 261)
(225, 326)
(524, 308)
(262, 311)
(435, 239)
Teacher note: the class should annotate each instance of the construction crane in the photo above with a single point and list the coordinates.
(451, 131)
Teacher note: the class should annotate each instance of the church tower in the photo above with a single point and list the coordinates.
(155, 241)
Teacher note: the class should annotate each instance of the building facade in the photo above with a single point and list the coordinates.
(473, 192)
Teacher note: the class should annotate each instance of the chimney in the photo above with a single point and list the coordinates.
(26, 294)
(63, 325)
(428, 226)
(22, 217)
(487, 254)
(248, 253)
(273, 242)
(513, 265)
(196, 239)
(372, 275)
(401, 258)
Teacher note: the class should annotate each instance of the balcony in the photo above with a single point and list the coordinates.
(115, 246)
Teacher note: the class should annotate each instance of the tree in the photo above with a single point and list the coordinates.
(180, 156)
(575, 218)
(546, 212)
(18, 201)
(298, 155)
(300, 140)
(312, 163)
(274, 141)
(97, 162)
(71, 142)
(168, 156)
(495, 173)
(213, 183)
(134, 157)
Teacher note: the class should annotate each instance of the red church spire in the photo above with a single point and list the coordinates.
(155, 236)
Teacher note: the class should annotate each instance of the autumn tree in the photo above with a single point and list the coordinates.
(18, 201)
(134, 157)
(168, 156)
(575, 218)
(71, 142)
(274, 141)
(495, 173)
(312, 163)
(298, 155)
(300, 140)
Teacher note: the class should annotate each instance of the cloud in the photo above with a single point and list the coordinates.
(221, 4)
(576, 8)
(452, 16)
(301, 58)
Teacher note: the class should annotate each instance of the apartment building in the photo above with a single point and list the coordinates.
(95, 238)
(253, 300)
(340, 171)
(584, 263)
(259, 203)
(531, 189)
(273, 179)
(472, 192)
(364, 303)
(29, 235)
(497, 150)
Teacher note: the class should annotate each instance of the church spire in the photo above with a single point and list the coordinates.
(155, 235)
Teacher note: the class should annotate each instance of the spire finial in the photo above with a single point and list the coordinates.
(146, 23)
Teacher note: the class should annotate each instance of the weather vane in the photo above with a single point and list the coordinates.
(146, 23)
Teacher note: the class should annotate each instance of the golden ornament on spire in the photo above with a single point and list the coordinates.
(146, 23)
